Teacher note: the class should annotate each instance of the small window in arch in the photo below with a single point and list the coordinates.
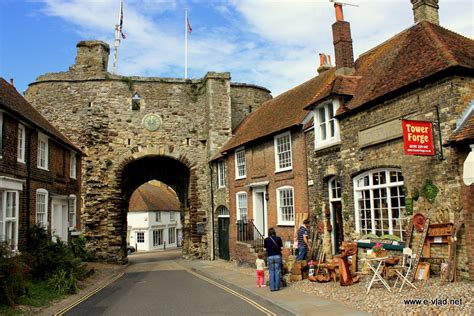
(222, 211)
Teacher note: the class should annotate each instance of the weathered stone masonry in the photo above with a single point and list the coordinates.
(193, 119)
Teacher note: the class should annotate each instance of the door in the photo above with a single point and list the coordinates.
(223, 223)
(259, 210)
(59, 219)
(338, 233)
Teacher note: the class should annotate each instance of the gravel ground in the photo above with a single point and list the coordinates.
(441, 298)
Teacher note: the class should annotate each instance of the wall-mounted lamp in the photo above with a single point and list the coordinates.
(136, 101)
(266, 196)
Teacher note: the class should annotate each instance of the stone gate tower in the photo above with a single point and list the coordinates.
(136, 129)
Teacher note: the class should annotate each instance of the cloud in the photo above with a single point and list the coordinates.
(274, 44)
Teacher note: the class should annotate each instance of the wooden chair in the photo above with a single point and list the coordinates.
(402, 271)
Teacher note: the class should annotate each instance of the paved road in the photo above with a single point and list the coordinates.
(156, 284)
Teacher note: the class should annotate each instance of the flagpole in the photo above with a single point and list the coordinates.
(186, 44)
(117, 38)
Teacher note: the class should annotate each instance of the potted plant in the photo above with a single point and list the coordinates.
(379, 250)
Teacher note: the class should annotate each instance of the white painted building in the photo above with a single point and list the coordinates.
(153, 219)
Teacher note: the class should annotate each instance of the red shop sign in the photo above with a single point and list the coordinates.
(418, 138)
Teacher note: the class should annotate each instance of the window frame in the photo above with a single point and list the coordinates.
(43, 138)
(172, 216)
(171, 235)
(319, 142)
(240, 207)
(45, 194)
(73, 165)
(4, 219)
(1, 135)
(158, 216)
(21, 143)
(140, 240)
(221, 174)
(72, 211)
(240, 164)
(278, 154)
(280, 220)
(373, 206)
(157, 237)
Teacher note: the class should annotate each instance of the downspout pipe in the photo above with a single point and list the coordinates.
(213, 252)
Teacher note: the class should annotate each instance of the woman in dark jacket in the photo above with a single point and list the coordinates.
(273, 246)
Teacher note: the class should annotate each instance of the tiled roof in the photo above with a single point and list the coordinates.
(412, 55)
(280, 113)
(15, 103)
(464, 133)
(149, 197)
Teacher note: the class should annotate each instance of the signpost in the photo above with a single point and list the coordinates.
(418, 138)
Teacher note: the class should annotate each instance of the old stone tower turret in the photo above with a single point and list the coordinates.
(136, 129)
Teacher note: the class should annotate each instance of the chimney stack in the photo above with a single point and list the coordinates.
(11, 82)
(425, 10)
(324, 63)
(341, 34)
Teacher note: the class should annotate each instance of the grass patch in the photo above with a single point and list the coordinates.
(6, 310)
(39, 294)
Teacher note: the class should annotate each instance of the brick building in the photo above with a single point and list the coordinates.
(360, 184)
(39, 173)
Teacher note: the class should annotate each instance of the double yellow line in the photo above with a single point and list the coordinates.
(85, 297)
(242, 297)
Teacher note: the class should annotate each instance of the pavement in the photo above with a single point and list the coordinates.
(293, 301)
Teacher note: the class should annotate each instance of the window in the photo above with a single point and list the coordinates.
(42, 208)
(285, 206)
(73, 166)
(283, 152)
(42, 151)
(1, 134)
(171, 235)
(242, 206)
(9, 218)
(157, 216)
(240, 164)
(72, 201)
(326, 127)
(157, 237)
(221, 173)
(21, 143)
(380, 202)
(140, 237)
(172, 218)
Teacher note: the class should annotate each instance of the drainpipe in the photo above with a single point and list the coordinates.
(213, 254)
(28, 184)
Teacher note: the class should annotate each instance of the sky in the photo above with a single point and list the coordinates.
(270, 43)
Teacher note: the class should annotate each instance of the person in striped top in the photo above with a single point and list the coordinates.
(303, 240)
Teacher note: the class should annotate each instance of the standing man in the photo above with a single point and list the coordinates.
(303, 243)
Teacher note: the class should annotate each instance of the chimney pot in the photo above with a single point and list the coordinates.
(339, 13)
(11, 82)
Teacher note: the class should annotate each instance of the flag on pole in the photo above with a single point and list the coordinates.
(121, 20)
(188, 26)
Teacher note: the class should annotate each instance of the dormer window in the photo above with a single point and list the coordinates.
(326, 126)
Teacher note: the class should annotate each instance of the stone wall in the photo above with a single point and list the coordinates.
(353, 157)
(183, 120)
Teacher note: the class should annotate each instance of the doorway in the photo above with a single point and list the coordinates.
(59, 219)
(335, 207)
(223, 232)
(260, 210)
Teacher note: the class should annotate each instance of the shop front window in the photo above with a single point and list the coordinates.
(380, 203)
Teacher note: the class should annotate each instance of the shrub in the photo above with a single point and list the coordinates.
(78, 247)
(14, 275)
(63, 282)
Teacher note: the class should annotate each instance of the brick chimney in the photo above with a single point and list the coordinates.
(425, 10)
(341, 34)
